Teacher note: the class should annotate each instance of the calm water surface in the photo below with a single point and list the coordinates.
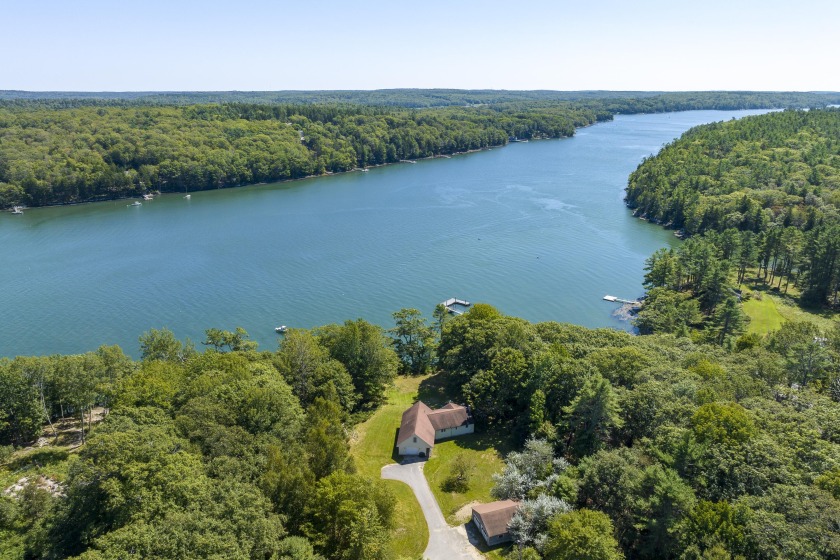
(537, 229)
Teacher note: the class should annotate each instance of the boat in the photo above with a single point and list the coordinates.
(148, 197)
(189, 196)
(17, 210)
(281, 329)
(135, 203)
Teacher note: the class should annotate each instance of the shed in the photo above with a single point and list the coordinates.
(492, 520)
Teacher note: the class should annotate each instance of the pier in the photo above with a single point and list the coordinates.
(452, 302)
(619, 300)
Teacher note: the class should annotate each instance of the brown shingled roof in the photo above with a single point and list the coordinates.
(415, 420)
(496, 516)
(450, 416)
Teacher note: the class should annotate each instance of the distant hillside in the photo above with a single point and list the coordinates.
(445, 97)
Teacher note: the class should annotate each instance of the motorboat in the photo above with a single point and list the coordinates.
(281, 329)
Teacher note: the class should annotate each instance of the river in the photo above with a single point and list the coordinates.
(537, 229)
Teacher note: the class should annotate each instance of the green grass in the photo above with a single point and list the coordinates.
(764, 317)
(484, 451)
(372, 448)
(768, 309)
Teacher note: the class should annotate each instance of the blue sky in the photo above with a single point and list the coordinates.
(94, 45)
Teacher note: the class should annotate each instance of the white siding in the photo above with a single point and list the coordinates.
(413, 446)
(452, 432)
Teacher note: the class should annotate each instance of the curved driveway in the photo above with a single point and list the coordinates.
(445, 542)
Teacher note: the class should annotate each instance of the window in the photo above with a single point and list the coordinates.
(415, 440)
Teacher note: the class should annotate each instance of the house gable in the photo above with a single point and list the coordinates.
(427, 425)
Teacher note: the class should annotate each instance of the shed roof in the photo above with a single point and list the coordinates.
(496, 516)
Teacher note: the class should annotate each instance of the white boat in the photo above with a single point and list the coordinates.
(135, 203)
(148, 197)
(17, 210)
(281, 329)
(189, 196)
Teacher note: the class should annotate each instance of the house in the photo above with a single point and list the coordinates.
(421, 427)
(492, 520)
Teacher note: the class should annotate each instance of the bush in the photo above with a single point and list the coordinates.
(459, 475)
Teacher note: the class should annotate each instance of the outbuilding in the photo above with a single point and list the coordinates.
(493, 519)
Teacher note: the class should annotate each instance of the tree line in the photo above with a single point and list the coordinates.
(624, 101)
(54, 156)
(769, 188)
(57, 150)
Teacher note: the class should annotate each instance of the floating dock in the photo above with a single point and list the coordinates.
(452, 302)
(619, 300)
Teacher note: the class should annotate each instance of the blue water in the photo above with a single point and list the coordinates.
(537, 229)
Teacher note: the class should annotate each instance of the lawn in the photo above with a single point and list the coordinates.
(483, 451)
(372, 447)
(768, 310)
(764, 317)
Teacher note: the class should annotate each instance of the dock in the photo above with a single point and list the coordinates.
(619, 300)
(450, 304)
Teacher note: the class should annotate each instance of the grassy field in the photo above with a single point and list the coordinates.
(768, 309)
(483, 452)
(764, 317)
(372, 447)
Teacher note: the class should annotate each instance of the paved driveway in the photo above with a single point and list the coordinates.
(445, 542)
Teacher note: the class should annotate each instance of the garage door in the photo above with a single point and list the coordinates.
(411, 451)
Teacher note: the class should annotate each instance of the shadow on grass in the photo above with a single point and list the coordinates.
(792, 298)
(39, 458)
(475, 538)
(434, 391)
(499, 439)
(395, 451)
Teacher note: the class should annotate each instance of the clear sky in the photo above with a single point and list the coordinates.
(154, 45)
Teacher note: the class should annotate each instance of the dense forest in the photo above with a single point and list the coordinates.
(631, 101)
(226, 453)
(633, 446)
(56, 150)
(761, 193)
(50, 156)
(655, 446)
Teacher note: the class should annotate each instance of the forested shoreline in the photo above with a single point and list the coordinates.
(57, 150)
(758, 196)
(632, 446)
